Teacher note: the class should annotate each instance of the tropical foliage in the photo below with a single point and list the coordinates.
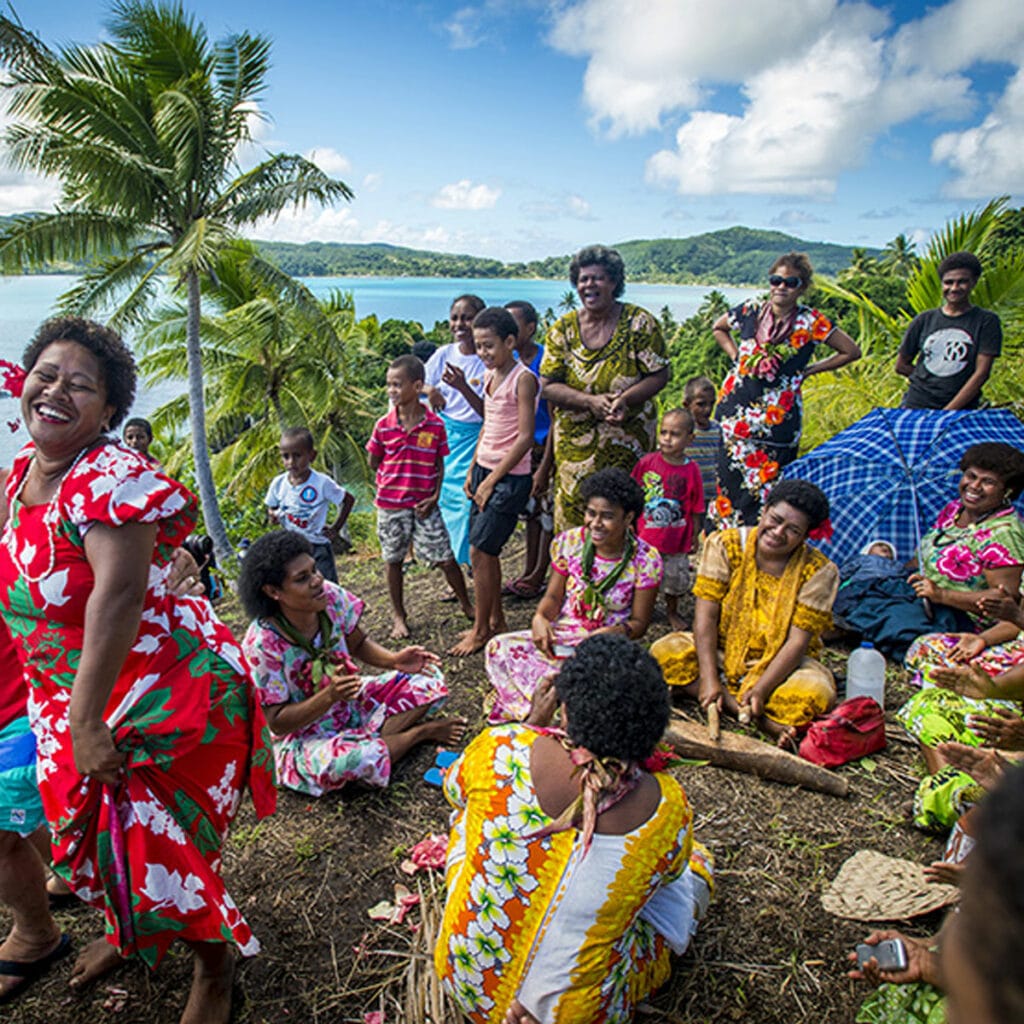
(145, 134)
(833, 401)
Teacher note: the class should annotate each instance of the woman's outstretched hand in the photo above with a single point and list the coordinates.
(414, 659)
(967, 680)
(95, 753)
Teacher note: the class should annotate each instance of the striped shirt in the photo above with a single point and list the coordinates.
(704, 451)
(408, 459)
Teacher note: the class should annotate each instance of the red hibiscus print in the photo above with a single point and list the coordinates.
(958, 563)
(741, 429)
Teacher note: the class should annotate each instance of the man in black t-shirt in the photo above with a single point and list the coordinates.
(948, 352)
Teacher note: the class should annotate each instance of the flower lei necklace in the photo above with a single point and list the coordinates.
(595, 593)
(51, 517)
(322, 656)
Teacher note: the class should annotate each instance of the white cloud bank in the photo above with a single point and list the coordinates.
(464, 195)
(819, 81)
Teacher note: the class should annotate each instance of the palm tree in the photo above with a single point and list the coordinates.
(275, 357)
(898, 257)
(567, 303)
(144, 134)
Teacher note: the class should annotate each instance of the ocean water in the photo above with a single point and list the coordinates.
(26, 301)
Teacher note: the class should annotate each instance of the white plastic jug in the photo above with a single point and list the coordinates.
(865, 674)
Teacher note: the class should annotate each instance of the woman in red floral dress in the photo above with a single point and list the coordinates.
(146, 725)
(759, 405)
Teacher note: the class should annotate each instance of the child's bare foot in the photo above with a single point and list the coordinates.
(785, 736)
(471, 642)
(400, 628)
(446, 731)
(677, 622)
(209, 1000)
(99, 958)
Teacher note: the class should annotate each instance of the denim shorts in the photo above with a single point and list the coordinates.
(490, 529)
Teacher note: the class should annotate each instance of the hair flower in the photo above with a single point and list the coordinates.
(823, 531)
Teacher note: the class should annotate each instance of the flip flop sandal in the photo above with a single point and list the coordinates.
(33, 970)
(445, 758)
(434, 776)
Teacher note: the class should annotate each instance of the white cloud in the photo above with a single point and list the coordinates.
(465, 28)
(372, 181)
(464, 195)
(795, 219)
(310, 224)
(24, 193)
(819, 82)
(989, 158)
(569, 205)
(330, 161)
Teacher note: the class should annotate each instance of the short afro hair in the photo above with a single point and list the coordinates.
(410, 365)
(798, 261)
(497, 319)
(616, 486)
(599, 256)
(996, 457)
(471, 300)
(804, 497)
(992, 908)
(117, 364)
(616, 699)
(264, 565)
(526, 309)
(960, 261)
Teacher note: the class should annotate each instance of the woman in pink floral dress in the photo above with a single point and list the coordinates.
(330, 725)
(605, 580)
(144, 713)
(974, 553)
(759, 406)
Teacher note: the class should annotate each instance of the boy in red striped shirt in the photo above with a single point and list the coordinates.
(406, 450)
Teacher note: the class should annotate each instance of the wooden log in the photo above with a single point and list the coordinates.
(714, 722)
(744, 754)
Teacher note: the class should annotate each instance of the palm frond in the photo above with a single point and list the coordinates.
(243, 61)
(118, 289)
(280, 182)
(34, 240)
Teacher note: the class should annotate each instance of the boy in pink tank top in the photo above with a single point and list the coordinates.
(499, 479)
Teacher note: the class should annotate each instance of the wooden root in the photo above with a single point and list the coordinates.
(741, 753)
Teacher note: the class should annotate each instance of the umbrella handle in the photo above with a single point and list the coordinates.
(929, 611)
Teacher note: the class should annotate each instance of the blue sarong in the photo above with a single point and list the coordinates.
(21, 807)
(454, 504)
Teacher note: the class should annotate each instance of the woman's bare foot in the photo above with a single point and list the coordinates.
(445, 731)
(785, 736)
(471, 642)
(96, 960)
(400, 628)
(213, 974)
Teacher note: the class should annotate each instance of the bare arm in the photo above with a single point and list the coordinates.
(547, 611)
(120, 559)
(343, 512)
(564, 397)
(706, 617)
(973, 385)
(287, 718)
(904, 366)
(723, 336)
(967, 600)
(526, 394)
(846, 349)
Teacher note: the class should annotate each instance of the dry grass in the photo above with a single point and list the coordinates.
(306, 877)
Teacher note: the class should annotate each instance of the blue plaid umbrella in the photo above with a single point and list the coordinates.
(889, 475)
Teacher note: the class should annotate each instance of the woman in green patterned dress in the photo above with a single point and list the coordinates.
(603, 364)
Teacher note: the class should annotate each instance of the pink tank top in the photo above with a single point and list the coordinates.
(501, 421)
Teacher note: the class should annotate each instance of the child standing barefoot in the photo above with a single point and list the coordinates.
(673, 499)
(407, 449)
(499, 479)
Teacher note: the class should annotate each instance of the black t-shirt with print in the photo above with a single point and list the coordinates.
(948, 347)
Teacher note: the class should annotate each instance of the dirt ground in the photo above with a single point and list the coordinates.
(767, 951)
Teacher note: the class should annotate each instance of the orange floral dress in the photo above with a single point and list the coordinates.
(759, 408)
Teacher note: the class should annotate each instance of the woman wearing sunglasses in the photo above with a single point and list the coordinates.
(772, 345)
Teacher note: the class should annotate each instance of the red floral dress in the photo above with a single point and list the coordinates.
(146, 850)
(759, 409)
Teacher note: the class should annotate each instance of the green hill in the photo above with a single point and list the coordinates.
(734, 255)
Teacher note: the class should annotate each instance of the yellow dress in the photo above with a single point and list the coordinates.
(758, 611)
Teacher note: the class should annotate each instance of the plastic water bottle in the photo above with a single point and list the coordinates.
(865, 674)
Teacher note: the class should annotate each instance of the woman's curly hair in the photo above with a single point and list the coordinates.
(804, 497)
(117, 364)
(616, 699)
(599, 256)
(616, 486)
(996, 457)
(264, 565)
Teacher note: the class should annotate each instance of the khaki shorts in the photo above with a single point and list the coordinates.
(396, 527)
(677, 576)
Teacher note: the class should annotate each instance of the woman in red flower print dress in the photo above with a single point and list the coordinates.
(146, 723)
(759, 405)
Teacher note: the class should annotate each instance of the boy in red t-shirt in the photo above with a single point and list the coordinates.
(673, 500)
(407, 449)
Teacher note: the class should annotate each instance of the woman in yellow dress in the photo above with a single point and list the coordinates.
(763, 599)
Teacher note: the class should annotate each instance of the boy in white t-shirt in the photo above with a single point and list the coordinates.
(298, 499)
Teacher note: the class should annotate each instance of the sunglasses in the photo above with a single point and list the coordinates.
(790, 282)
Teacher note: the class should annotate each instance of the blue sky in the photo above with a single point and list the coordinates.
(520, 129)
